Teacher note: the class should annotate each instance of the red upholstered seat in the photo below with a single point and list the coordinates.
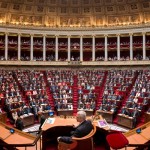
(117, 140)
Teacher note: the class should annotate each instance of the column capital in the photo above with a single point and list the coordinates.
(143, 33)
(130, 34)
(57, 35)
(93, 35)
(105, 35)
(81, 36)
(118, 34)
(68, 36)
(6, 33)
(31, 35)
(44, 35)
(19, 34)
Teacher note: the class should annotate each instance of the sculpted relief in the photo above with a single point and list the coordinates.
(2, 18)
(26, 19)
(51, 21)
(120, 20)
(99, 21)
(147, 17)
(75, 21)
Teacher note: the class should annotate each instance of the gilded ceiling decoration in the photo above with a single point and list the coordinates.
(74, 13)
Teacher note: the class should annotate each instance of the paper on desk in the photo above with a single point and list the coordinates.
(102, 123)
(50, 120)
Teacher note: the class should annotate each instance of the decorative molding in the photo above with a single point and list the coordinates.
(75, 14)
(76, 63)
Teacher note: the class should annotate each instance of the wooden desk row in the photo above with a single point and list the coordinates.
(123, 120)
(27, 119)
(127, 121)
(69, 112)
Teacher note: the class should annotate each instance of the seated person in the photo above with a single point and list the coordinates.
(15, 116)
(135, 114)
(47, 107)
(19, 124)
(96, 116)
(148, 111)
(0, 110)
(125, 111)
(83, 129)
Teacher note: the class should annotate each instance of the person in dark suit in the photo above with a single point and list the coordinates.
(19, 124)
(125, 111)
(42, 120)
(148, 111)
(83, 129)
(135, 114)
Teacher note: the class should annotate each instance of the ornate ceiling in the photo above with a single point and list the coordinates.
(75, 13)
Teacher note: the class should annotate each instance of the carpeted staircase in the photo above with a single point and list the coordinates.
(75, 94)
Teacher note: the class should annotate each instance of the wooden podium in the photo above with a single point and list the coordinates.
(125, 121)
(107, 115)
(147, 117)
(27, 119)
(65, 112)
(3, 117)
(61, 126)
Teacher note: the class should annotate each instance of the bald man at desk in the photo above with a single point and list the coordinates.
(81, 130)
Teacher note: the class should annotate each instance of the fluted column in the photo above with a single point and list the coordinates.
(6, 46)
(19, 46)
(69, 53)
(118, 47)
(31, 47)
(93, 48)
(44, 47)
(56, 48)
(81, 48)
(106, 48)
(144, 47)
(131, 46)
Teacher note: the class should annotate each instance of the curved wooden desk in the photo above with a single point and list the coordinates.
(85, 142)
(60, 127)
(141, 138)
(18, 137)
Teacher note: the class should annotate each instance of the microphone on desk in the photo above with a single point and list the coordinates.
(65, 116)
(95, 117)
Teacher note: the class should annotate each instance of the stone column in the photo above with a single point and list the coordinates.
(131, 46)
(81, 48)
(69, 52)
(44, 47)
(93, 48)
(31, 48)
(106, 48)
(144, 47)
(56, 48)
(6, 46)
(118, 47)
(19, 46)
